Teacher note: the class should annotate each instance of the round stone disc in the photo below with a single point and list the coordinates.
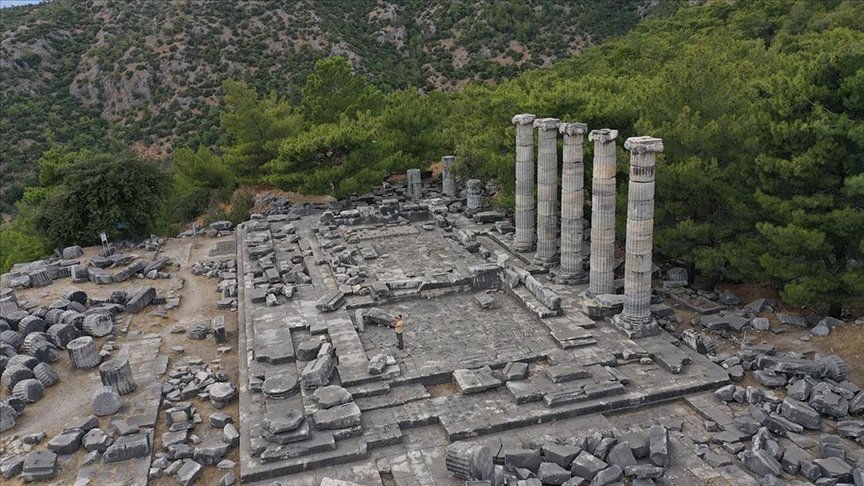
(280, 386)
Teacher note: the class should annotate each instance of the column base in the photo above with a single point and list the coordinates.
(569, 278)
(635, 328)
(523, 248)
(547, 262)
(601, 306)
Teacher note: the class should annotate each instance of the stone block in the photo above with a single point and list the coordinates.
(128, 447)
(800, 413)
(644, 471)
(620, 454)
(338, 417)
(546, 296)
(484, 300)
(659, 445)
(761, 462)
(96, 440)
(563, 455)
(330, 301)
(565, 372)
(317, 373)
(67, 442)
(475, 380)
(551, 473)
(516, 370)
(522, 458)
(189, 472)
(127, 272)
(834, 467)
(39, 466)
(587, 466)
(140, 299)
(11, 466)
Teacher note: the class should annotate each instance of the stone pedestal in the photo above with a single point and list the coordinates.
(635, 319)
(117, 374)
(547, 192)
(448, 179)
(415, 184)
(525, 213)
(572, 201)
(474, 203)
(601, 276)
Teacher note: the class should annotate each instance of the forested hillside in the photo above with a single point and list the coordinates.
(148, 73)
(760, 105)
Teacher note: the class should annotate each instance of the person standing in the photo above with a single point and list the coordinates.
(399, 325)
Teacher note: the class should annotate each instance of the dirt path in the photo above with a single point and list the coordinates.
(198, 303)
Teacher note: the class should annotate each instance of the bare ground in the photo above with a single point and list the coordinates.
(72, 396)
(846, 341)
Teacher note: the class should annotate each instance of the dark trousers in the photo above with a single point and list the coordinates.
(399, 343)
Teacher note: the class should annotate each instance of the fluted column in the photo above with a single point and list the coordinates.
(547, 192)
(525, 213)
(572, 202)
(448, 179)
(635, 319)
(601, 274)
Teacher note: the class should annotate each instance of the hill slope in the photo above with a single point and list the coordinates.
(149, 73)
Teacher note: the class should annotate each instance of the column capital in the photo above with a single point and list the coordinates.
(573, 128)
(604, 135)
(642, 145)
(547, 123)
(523, 119)
(446, 159)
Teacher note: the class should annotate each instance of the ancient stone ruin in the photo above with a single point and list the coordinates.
(533, 353)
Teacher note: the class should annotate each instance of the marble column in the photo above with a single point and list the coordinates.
(525, 236)
(415, 184)
(635, 320)
(547, 192)
(474, 190)
(448, 178)
(572, 202)
(601, 276)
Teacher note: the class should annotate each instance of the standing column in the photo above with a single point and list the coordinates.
(448, 179)
(635, 320)
(601, 276)
(415, 184)
(547, 192)
(572, 201)
(525, 213)
(474, 201)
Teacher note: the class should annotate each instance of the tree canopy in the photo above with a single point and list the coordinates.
(759, 104)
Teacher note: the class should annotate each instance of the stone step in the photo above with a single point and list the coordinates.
(345, 453)
(534, 306)
(387, 435)
(397, 396)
